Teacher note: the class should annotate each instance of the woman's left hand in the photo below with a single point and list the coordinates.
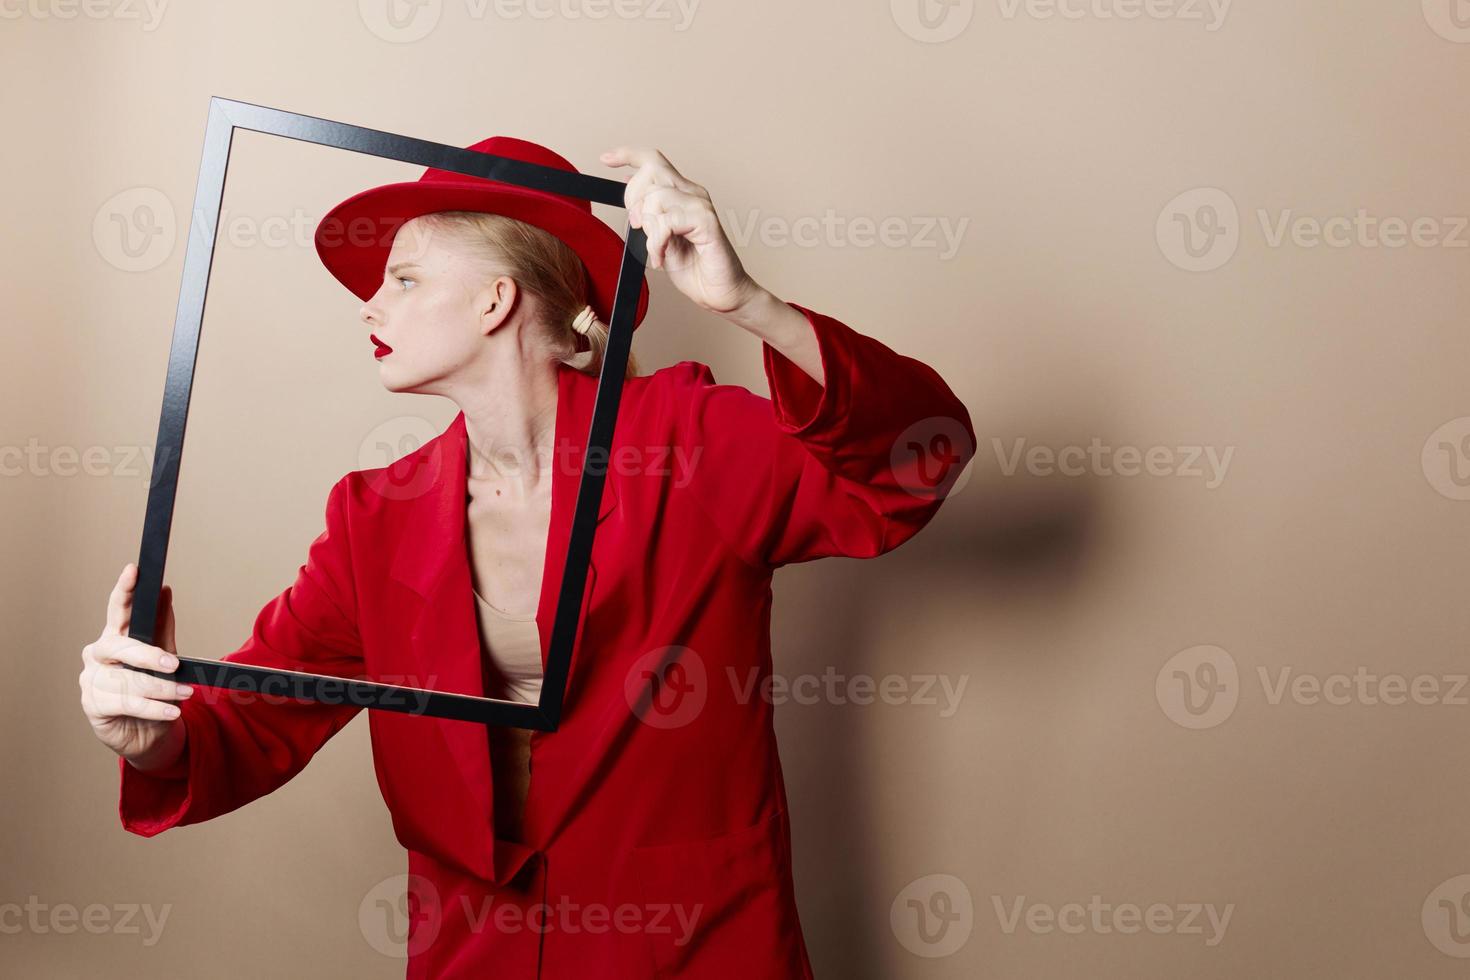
(684, 234)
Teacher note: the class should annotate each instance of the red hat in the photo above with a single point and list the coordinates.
(354, 238)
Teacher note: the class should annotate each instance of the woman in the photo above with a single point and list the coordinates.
(647, 836)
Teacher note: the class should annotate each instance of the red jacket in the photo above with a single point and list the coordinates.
(659, 842)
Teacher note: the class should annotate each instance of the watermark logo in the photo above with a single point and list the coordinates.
(134, 230)
(932, 21)
(1199, 230)
(1450, 19)
(933, 916)
(667, 687)
(1445, 459)
(400, 916)
(1446, 917)
(400, 21)
(930, 458)
(1199, 687)
(389, 442)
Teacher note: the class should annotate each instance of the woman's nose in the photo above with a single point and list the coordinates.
(371, 311)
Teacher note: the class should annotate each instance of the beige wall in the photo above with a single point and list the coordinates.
(1331, 541)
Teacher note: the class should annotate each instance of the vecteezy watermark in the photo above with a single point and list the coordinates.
(1203, 919)
(1207, 463)
(403, 915)
(1200, 687)
(36, 459)
(1450, 19)
(670, 686)
(1209, 13)
(122, 919)
(933, 916)
(149, 13)
(830, 230)
(136, 229)
(831, 687)
(402, 436)
(1362, 230)
(324, 689)
(1445, 459)
(1362, 686)
(1200, 230)
(1445, 916)
(291, 687)
(406, 21)
(936, 21)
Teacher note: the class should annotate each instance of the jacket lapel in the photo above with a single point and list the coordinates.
(431, 558)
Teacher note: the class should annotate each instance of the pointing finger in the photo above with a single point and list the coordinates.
(629, 156)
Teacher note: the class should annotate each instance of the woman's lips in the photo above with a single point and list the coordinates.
(383, 349)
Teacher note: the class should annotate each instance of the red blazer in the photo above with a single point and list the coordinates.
(657, 829)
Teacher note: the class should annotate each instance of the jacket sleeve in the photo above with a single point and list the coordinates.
(853, 466)
(243, 745)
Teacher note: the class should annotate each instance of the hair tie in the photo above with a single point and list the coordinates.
(583, 321)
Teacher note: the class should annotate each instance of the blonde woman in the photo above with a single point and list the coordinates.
(648, 835)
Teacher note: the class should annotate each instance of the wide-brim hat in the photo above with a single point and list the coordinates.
(354, 238)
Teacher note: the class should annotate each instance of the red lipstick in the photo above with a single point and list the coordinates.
(383, 349)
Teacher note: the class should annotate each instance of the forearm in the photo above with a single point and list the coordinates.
(786, 329)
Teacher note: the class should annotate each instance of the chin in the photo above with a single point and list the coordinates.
(395, 382)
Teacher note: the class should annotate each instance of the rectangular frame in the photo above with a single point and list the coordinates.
(225, 116)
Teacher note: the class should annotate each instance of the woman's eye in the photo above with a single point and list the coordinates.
(403, 279)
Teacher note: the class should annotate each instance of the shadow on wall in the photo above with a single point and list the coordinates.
(1000, 541)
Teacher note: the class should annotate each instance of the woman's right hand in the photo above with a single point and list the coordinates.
(130, 711)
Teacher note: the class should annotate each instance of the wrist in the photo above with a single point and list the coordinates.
(765, 314)
(165, 754)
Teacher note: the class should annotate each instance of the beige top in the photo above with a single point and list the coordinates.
(513, 646)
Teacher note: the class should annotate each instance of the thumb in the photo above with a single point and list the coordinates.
(120, 601)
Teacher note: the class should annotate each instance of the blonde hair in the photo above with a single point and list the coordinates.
(544, 266)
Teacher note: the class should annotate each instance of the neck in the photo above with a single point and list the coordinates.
(510, 422)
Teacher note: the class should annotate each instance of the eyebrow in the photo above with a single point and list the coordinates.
(402, 265)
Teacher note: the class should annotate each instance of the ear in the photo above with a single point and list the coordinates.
(496, 302)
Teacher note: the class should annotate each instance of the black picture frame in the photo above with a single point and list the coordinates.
(226, 116)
